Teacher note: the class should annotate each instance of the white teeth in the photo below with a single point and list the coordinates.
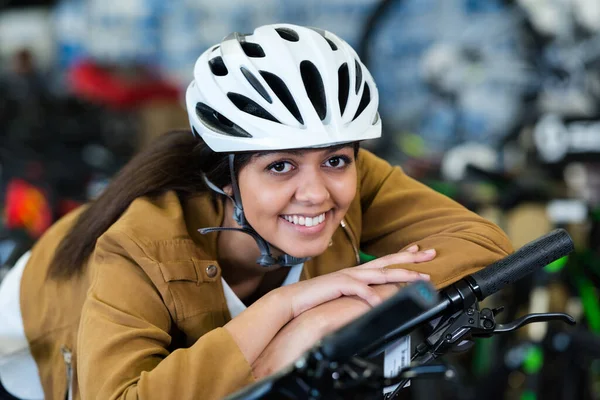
(306, 221)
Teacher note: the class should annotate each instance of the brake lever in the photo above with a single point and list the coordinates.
(531, 318)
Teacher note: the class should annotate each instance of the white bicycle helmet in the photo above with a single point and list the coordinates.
(282, 87)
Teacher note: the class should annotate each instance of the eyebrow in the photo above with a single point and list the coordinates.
(298, 152)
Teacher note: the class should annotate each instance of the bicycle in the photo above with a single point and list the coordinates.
(338, 367)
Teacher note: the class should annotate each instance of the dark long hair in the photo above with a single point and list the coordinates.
(174, 161)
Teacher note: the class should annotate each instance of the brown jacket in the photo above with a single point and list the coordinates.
(145, 318)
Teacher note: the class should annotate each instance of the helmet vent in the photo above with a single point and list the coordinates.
(215, 48)
(313, 83)
(364, 101)
(288, 34)
(247, 105)
(343, 86)
(358, 76)
(217, 122)
(322, 33)
(280, 89)
(252, 49)
(217, 66)
(331, 44)
(256, 84)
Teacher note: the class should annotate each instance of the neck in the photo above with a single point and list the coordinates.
(237, 254)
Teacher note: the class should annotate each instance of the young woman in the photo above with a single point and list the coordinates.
(126, 298)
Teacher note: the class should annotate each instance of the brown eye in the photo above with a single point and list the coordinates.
(337, 162)
(280, 167)
(334, 162)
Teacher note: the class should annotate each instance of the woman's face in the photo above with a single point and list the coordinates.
(296, 199)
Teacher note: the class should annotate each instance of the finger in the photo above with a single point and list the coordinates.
(400, 258)
(329, 287)
(381, 276)
(413, 249)
(347, 285)
(426, 255)
(363, 291)
(421, 275)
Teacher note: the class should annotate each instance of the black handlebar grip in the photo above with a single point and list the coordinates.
(534, 255)
(400, 309)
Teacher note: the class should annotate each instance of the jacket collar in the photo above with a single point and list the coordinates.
(202, 211)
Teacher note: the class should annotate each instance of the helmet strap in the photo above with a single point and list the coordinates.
(265, 259)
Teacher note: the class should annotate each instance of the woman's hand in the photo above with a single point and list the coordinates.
(303, 332)
(355, 281)
(311, 325)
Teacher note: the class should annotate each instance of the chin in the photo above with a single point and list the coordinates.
(310, 251)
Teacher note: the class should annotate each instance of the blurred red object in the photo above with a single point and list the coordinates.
(27, 207)
(119, 88)
(65, 206)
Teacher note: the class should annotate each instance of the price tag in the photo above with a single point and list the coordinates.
(397, 357)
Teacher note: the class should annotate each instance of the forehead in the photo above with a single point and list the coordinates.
(303, 152)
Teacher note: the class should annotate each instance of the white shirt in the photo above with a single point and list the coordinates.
(236, 306)
(18, 370)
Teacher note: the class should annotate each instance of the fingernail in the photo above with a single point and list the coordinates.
(425, 276)
(429, 252)
(413, 249)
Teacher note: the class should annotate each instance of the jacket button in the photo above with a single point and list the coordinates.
(211, 271)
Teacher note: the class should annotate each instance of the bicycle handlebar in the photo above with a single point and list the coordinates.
(533, 256)
(481, 284)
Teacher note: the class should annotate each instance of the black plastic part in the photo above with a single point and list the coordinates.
(343, 86)
(331, 44)
(364, 102)
(329, 41)
(288, 34)
(313, 83)
(249, 106)
(461, 295)
(253, 50)
(407, 304)
(256, 84)
(377, 346)
(281, 90)
(217, 66)
(358, 76)
(534, 255)
(218, 122)
(533, 318)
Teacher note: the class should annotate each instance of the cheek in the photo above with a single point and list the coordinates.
(343, 189)
(263, 200)
(270, 201)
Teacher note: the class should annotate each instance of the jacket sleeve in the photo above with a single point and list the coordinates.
(398, 211)
(124, 338)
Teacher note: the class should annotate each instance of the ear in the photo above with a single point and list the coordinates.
(228, 189)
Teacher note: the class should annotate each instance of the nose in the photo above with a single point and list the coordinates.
(312, 188)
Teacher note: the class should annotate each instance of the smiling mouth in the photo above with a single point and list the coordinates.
(305, 220)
